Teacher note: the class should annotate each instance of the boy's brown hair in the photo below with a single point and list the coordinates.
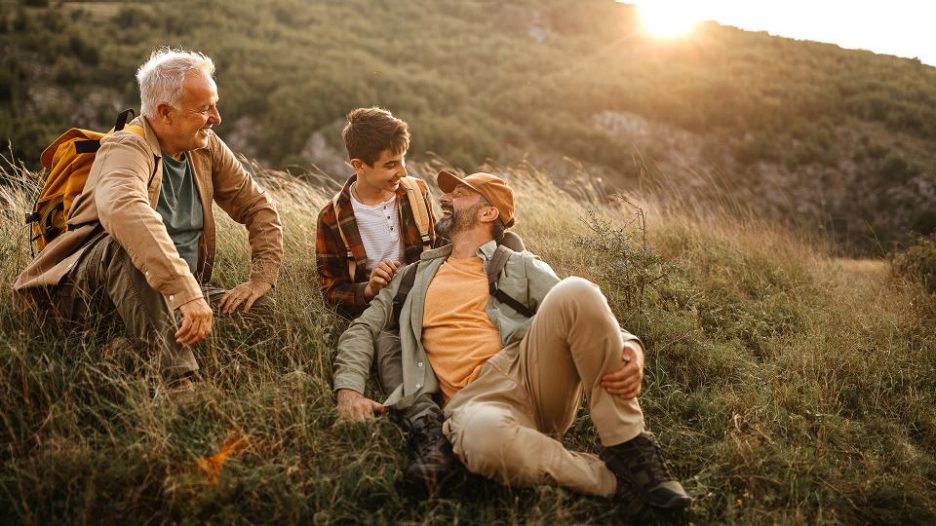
(370, 131)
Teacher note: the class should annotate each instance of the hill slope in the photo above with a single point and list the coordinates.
(823, 139)
(785, 385)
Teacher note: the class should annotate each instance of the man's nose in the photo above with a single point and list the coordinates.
(215, 115)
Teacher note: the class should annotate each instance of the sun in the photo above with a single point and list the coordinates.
(667, 19)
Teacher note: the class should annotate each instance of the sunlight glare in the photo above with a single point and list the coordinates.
(667, 19)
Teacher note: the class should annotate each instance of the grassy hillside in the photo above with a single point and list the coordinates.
(806, 134)
(787, 386)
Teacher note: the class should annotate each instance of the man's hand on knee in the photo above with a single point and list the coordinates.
(626, 382)
(196, 322)
(355, 406)
(244, 294)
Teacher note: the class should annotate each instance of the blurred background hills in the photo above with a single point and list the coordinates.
(824, 140)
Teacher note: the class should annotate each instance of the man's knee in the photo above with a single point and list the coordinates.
(576, 293)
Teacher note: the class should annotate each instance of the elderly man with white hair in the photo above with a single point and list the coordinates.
(141, 237)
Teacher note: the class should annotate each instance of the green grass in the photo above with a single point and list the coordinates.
(786, 386)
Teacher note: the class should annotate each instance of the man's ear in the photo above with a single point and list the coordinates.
(489, 214)
(164, 113)
(357, 164)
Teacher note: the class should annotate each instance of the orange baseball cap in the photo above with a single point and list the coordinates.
(491, 187)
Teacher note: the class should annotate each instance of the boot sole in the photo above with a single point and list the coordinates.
(676, 502)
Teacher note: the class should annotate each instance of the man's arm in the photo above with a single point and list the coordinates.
(355, 354)
(247, 203)
(540, 279)
(121, 198)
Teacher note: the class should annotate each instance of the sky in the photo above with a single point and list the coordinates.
(904, 28)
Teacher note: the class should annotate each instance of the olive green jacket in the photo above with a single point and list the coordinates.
(525, 278)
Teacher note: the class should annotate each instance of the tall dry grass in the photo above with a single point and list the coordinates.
(785, 385)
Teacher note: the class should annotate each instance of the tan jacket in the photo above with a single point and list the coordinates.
(121, 195)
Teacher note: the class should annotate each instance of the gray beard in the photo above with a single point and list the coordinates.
(444, 226)
(455, 223)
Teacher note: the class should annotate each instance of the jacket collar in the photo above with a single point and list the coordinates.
(485, 251)
(151, 140)
(346, 190)
(441, 252)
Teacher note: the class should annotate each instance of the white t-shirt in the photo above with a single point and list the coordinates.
(379, 226)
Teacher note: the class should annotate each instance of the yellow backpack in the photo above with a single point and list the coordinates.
(68, 160)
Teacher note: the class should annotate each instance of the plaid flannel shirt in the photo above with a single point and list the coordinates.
(331, 255)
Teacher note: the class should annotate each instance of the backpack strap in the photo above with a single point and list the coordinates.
(92, 146)
(352, 263)
(122, 119)
(495, 267)
(418, 206)
(406, 285)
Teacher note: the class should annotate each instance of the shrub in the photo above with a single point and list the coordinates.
(918, 263)
(624, 262)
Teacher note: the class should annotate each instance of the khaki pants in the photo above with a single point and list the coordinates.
(106, 282)
(506, 425)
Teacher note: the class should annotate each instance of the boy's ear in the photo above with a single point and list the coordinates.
(357, 164)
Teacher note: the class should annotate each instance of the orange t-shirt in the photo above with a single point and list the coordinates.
(458, 334)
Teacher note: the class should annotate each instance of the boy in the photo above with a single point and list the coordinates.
(371, 228)
(380, 221)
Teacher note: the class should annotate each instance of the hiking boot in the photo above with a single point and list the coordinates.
(639, 463)
(433, 460)
(631, 508)
(179, 391)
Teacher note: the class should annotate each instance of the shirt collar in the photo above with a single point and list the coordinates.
(486, 251)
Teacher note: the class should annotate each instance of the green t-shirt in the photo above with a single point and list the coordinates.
(181, 208)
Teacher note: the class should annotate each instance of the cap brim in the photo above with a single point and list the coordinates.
(448, 182)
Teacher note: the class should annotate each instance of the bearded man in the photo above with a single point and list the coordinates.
(511, 383)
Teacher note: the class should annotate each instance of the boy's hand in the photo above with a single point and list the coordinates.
(380, 277)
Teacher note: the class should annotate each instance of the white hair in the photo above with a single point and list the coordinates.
(161, 77)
